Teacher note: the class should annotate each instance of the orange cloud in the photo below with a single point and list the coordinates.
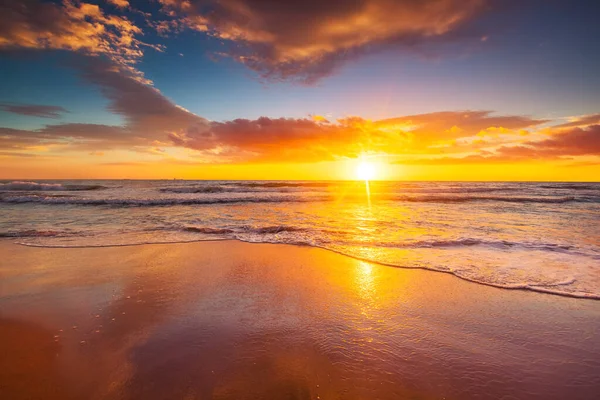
(572, 142)
(309, 38)
(71, 25)
(309, 139)
(119, 3)
(581, 121)
(153, 123)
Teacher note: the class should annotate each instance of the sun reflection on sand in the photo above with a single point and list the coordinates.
(234, 320)
(364, 280)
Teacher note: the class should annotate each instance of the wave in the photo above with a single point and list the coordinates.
(276, 229)
(213, 189)
(552, 288)
(506, 199)
(129, 202)
(198, 189)
(54, 187)
(30, 233)
(431, 243)
(244, 229)
(562, 287)
(466, 242)
(286, 184)
(54, 200)
(209, 231)
(571, 186)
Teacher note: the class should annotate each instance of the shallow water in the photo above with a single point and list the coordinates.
(230, 320)
(534, 236)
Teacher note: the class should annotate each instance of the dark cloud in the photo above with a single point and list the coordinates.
(307, 39)
(34, 110)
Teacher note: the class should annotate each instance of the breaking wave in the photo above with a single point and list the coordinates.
(244, 229)
(197, 189)
(278, 198)
(510, 235)
(506, 199)
(285, 184)
(33, 233)
(54, 187)
(208, 231)
(571, 186)
(53, 200)
(216, 189)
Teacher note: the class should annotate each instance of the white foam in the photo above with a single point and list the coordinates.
(31, 186)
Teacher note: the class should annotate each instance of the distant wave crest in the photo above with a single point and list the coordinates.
(55, 200)
(574, 186)
(279, 198)
(285, 184)
(26, 186)
(506, 199)
(197, 189)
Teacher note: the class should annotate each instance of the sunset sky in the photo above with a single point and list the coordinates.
(273, 89)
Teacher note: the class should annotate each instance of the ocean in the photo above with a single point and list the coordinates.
(537, 236)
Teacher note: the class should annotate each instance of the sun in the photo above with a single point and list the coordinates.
(365, 171)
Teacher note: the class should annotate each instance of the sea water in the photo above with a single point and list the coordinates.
(539, 236)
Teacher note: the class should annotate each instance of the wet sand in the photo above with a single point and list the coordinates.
(230, 320)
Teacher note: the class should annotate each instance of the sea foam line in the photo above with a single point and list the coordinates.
(523, 287)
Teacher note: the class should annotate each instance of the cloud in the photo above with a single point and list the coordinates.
(149, 116)
(278, 139)
(448, 125)
(308, 39)
(573, 142)
(71, 25)
(309, 139)
(146, 110)
(468, 159)
(16, 154)
(67, 137)
(581, 121)
(154, 123)
(119, 3)
(564, 145)
(34, 110)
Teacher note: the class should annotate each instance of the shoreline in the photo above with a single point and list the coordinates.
(228, 319)
(526, 288)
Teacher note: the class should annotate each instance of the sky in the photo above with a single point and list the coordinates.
(275, 89)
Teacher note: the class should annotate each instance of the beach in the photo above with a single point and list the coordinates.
(232, 320)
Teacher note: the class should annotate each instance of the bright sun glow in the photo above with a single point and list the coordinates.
(365, 171)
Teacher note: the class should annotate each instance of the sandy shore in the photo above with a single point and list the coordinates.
(229, 320)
